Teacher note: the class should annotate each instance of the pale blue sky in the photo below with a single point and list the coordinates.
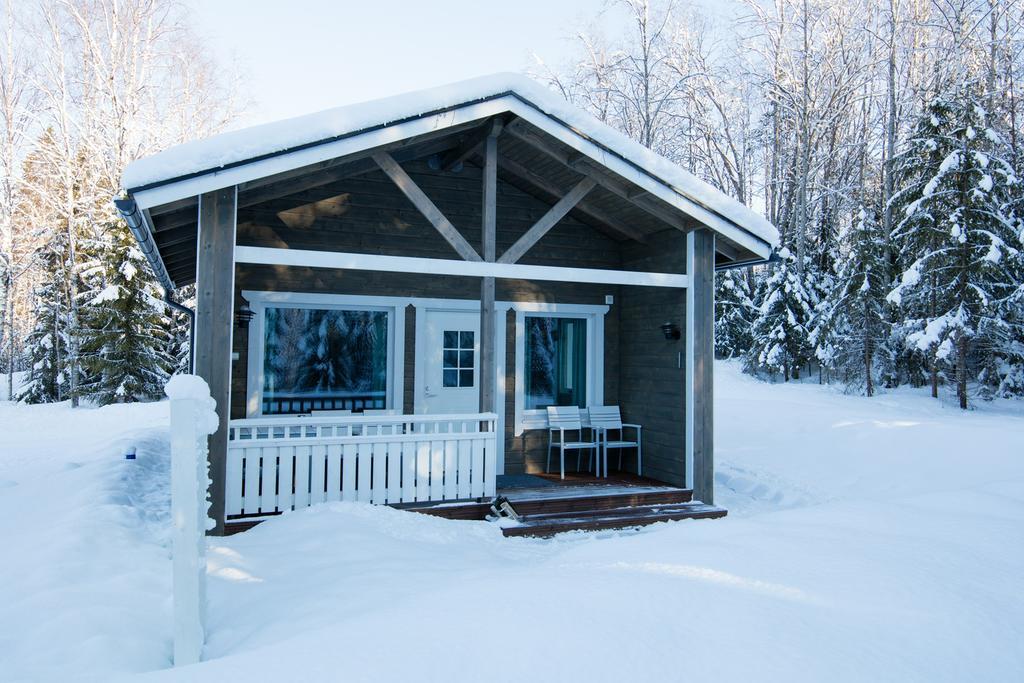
(300, 56)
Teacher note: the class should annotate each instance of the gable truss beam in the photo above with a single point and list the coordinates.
(397, 148)
(469, 146)
(426, 207)
(582, 165)
(350, 168)
(548, 221)
(525, 175)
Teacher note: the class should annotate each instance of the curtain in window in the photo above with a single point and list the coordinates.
(556, 362)
(324, 359)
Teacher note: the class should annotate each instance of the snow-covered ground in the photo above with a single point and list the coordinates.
(867, 539)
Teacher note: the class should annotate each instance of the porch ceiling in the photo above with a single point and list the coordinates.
(529, 160)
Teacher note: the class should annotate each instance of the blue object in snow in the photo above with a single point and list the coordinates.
(130, 455)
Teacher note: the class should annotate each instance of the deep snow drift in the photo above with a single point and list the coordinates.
(867, 538)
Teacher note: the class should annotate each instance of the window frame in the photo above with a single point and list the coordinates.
(595, 360)
(259, 302)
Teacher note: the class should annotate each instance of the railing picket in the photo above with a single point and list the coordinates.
(489, 474)
(233, 481)
(437, 449)
(334, 466)
(268, 478)
(423, 471)
(394, 450)
(465, 461)
(477, 485)
(301, 477)
(365, 463)
(317, 472)
(408, 472)
(451, 468)
(378, 487)
(285, 472)
(348, 472)
(251, 501)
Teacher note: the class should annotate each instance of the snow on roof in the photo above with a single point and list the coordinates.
(246, 144)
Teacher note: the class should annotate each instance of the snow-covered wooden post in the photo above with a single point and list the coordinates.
(193, 419)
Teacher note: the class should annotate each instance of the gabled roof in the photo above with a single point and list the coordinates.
(260, 151)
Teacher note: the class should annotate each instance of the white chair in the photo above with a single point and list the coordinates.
(607, 419)
(564, 419)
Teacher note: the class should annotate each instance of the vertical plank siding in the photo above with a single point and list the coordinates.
(651, 372)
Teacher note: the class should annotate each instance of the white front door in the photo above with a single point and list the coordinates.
(450, 353)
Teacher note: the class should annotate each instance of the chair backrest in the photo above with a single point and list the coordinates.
(605, 417)
(332, 413)
(565, 417)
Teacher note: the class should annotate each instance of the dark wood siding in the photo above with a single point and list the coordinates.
(651, 368)
(373, 217)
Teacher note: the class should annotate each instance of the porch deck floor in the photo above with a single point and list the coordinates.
(583, 485)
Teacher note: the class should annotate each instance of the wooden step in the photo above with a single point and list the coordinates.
(546, 525)
(553, 500)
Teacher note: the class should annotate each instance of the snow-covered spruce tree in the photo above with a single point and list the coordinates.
(179, 344)
(734, 314)
(853, 329)
(46, 343)
(125, 341)
(958, 247)
(781, 335)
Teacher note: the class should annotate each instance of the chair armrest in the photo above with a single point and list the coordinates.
(633, 426)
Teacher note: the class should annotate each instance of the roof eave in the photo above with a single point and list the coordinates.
(138, 224)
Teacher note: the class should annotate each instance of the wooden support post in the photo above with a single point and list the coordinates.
(487, 244)
(215, 294)
(702, 286)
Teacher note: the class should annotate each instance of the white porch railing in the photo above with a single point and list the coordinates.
(287, 463)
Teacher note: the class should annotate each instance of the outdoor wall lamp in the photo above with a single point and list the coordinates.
(671, 331)
(244, 315)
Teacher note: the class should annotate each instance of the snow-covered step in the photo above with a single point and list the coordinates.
(616, 518)
(593, 497)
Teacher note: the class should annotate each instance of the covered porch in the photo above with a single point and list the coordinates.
(384, 315)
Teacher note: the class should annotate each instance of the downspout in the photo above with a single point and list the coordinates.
(191, 327)
(129, 210)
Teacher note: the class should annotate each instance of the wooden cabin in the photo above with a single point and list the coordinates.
(389, 295)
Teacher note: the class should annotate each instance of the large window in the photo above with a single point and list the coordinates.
(556, 362)
(324, 359)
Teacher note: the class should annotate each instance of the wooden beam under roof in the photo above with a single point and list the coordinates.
(549, 189)
(351, 168)
(583, 165)
(547, 221)
(469, 146)
(393, 148)
(426, 207)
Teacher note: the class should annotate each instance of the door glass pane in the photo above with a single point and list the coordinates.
(324, 359)
(458, 355)
(555, 360)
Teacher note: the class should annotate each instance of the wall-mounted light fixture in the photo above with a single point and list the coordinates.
(671, 331)
(244, 315)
